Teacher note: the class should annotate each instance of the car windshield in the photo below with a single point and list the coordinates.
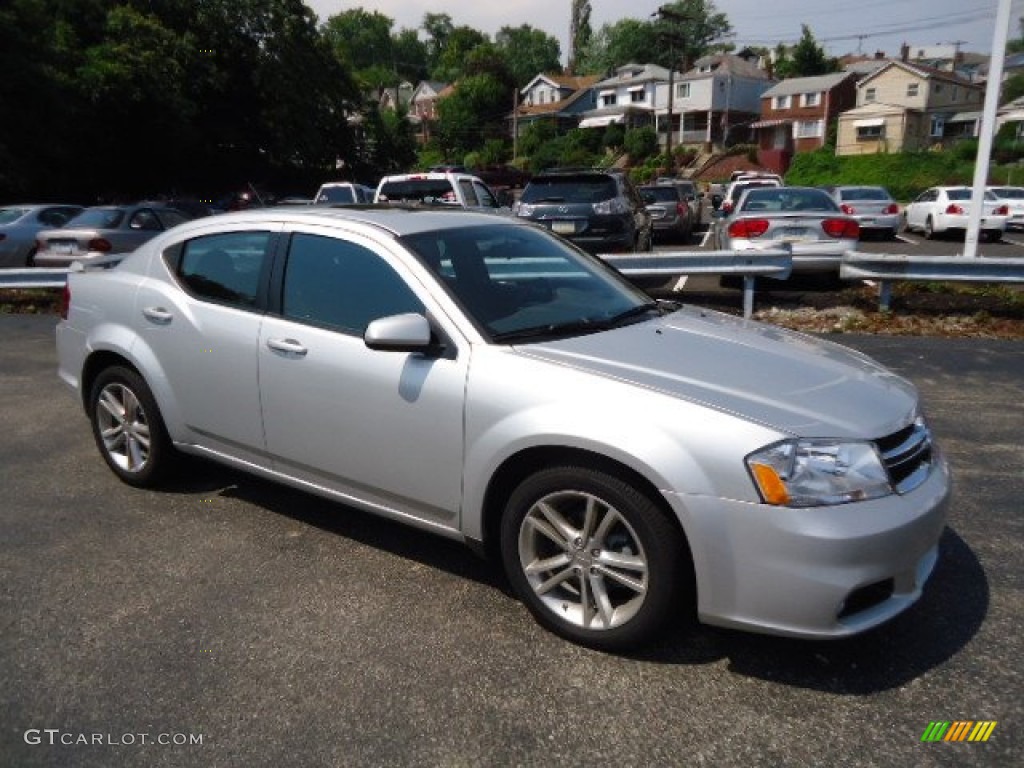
(429, 191)
(1009, 193)
(337, 195)
(7, 215)
(98, 218)
(661, 194)
(865, 193)
(575, 188)
(523, 284)
(964, 193)
(787, 199)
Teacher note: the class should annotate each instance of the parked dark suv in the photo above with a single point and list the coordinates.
(598, 210)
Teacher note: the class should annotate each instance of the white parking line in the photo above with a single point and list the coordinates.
(910, 240)
(704, 240)
(1019, 243)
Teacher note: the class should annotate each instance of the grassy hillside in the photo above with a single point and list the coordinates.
(904, 174)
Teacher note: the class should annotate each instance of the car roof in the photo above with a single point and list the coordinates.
(398, 220)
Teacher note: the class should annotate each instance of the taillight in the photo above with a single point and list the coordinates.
(841, 228)
(954, 209)
(748, 228)
(892, 209)
(727, 206)
(100, 244)
(1002, 210)
(681, 208)
(65, 302)
(848, 209)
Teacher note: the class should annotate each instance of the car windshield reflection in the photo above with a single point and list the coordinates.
(517, 283)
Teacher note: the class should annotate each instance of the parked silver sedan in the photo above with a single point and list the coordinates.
(482, 379)
(103, 231)
(873, 207)
(806, 219)
(19, 225)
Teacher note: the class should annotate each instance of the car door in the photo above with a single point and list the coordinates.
(200, 319)
(381, 427)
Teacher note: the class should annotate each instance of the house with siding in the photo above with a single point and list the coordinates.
(628, 97)
(423, 105)
(796, 115)
(714, 102)
(559, 99)
(906, 106)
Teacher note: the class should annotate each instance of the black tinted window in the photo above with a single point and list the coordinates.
(225, 268)
(418, 191)
(341, 284)
(583, 188)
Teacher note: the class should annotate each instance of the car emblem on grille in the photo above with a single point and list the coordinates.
(563, 209)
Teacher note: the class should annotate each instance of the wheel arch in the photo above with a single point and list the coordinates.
(517, 467)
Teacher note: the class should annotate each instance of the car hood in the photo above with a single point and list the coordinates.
(787, 381)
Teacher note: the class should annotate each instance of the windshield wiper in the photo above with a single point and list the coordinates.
(582, 326)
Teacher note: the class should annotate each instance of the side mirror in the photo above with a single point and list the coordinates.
(399, 333)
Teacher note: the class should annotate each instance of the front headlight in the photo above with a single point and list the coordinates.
(524, 209)
(812, 473)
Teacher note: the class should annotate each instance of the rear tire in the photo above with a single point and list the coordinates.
(593, 558)
(929, 229)
(128, 428)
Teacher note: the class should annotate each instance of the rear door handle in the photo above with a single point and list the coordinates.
(288, 347)
(158, 315)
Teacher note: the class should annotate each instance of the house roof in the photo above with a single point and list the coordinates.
(727, 63)
(815, 84)
(555, 107)
(635, 73)
(921, 71)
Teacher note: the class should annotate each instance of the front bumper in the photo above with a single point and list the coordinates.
(822, 572)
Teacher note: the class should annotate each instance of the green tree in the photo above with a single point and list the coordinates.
(528, 51)
(410, 56)
(640, 143)
(451, 64)
(580, 31)
(472, 114)
(805, 59)
(438, 28)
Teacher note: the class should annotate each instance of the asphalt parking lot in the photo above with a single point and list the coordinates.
(278, 629)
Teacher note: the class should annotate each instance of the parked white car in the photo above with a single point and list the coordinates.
(943, 210)
(480, 378)
(1013, 199)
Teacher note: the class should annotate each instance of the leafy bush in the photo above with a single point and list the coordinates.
(640, 143)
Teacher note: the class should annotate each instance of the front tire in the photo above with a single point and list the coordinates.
(128, 428)
(594, 559)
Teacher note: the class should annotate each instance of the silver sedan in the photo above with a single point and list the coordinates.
(805, 219)
(19, 225)
(477, 377)
(104, 231)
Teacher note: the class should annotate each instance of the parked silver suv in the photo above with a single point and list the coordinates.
(475, 376)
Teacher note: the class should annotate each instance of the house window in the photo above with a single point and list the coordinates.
(938, 88)
(937, 127)
(870, 132)
(782, 102)
(870, 94)
(808, 129)
(682, 90)
(637, 96)
(812, 99)
(608, 100)
(912, 89)
(543, 97)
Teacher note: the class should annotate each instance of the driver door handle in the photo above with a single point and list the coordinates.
(287, 346)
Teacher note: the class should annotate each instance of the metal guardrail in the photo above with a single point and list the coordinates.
(749, 264)
(889, 268)
(33, 278)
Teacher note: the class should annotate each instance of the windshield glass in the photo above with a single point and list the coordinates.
(7, 215)
(661, 194)
(97, 218)
(575, 188)
(787, 199)
(429, 191)
(517, 281)
(336, 195)
(865, 193)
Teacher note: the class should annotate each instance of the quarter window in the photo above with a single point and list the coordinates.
(342, 285)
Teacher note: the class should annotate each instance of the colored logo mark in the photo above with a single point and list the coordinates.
(958, 730)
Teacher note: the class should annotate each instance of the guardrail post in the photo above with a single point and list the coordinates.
(748, 296)
(884, 296)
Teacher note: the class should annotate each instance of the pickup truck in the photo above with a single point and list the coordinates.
(454, 189)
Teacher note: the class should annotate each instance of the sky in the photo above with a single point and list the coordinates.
(840, 26)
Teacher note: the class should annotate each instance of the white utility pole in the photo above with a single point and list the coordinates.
(987, 130)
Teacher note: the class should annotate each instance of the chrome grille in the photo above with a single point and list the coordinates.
(907, 456)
